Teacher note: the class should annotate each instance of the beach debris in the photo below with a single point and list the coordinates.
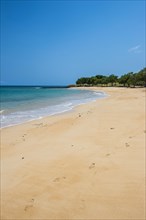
(107, 155)
(22, 158)
(112, 128)
(72, 145)
(144, 131)
(92, 166)
(79, 115)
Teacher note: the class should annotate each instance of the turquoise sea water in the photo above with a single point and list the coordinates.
(22, 104)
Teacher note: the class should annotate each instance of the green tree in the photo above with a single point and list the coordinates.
(113, 79)
(92, 80)
(105, 80)
(141, 77)
(82, 81)
(99, 79)
(132, 79)
(129, 79)
(125, 79)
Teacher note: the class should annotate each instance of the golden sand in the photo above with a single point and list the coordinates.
(84, 164)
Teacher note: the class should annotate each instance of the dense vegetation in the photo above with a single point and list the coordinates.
(129, 80)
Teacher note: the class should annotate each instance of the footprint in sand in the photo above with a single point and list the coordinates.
(127, 145)
(45, 126)
(23, 137)
(82, 205)
(59, 178)
(29, 206)
(38, 125)
(56, 179)
(92, 166)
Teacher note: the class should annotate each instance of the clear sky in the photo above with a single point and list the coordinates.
(56, 42)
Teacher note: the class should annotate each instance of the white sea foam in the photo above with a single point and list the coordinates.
(1, 111)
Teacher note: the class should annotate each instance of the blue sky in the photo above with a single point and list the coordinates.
(56, 42)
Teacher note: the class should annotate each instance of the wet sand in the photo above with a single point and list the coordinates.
(85, 164)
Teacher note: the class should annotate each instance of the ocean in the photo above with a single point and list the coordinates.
(20, 104)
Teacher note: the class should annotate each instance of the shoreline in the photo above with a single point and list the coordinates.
(88, 163)
(58, 113)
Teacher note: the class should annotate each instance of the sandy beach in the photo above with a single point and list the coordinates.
(85, 164)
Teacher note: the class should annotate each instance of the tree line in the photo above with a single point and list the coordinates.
(127, 80)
